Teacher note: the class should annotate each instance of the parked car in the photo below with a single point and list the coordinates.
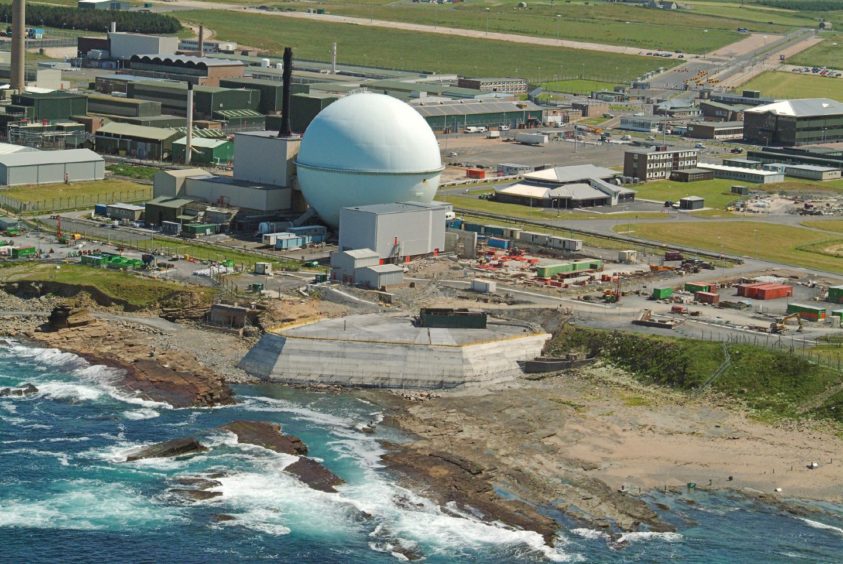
(736, 150)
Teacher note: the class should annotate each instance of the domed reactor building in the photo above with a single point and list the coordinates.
(367, 149)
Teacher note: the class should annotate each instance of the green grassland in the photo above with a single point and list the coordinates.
(416, 51)
(781, 243)
(86, 190)
(829, 53)
(797, 85)
(141, 292)
(577, 86)
(717, 193)
(834, 225)
(754, 14)
(774, 383)
(610, 23)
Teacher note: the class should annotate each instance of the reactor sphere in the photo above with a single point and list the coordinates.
(367, 149)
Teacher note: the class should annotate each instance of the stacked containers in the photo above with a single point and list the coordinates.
(707, 297)
(764, 291)
(812, 313)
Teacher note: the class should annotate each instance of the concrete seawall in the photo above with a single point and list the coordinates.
(383, 351)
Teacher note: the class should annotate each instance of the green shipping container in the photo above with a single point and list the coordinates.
(24, 252)
(813, 313)
(694, 287)
(835, 294)
(662, 293)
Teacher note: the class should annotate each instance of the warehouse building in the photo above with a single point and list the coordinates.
(345, 263)
(204, 150)
(744, 174)
(567, 187)
(719, 111)
(40, 106)
(165, 209)
(149, 143)
(395, 231)
(379, 277)
(120, 211)
(198, 70)
(50, 167)
(691, 203)
(454, 116)
(123, 45)
(207, 100)
(657, 163)
(812, 172)
(228, 191)
(170, 183)
(123, 107)
(270, 92)
(795, 122)
(719, 131)
(821, 156)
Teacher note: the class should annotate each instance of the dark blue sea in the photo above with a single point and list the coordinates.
(66, 494)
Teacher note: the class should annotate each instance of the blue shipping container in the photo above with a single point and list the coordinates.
(100, 209)
(292, 242)
(491, 230)
(474, 227)
(498, 243)
(454, 224)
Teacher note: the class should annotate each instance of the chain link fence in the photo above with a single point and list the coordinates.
(17, 206)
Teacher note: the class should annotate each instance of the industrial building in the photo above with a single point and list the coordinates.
(170, 183)
(50, 167)
(691, 203)
(719, 111)
(165, 209)
(395, 231)
(514, 86)
(645, 124)
(744, 174)
(795, 122)
(209, 102)
(269, 101)
(591, 108)
(677, 109)
(149, 143)
(821, 156)
(657, 163)
(455, 116)
(204, 150)
(812, 172)
(126, 45)
(719, 131)
(741, 162)
(567, 187)
(118, 106)
(128, 212)
(198, 70)
(345, 263)
(231, 191)
(691, 175)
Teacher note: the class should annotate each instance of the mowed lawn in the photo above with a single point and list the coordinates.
(834, 225)
(797, 85)
(829, 53)
(537, 213)
(66, 196)
(717, 193)
(600, 22)
(397, 49)
(776, 243)
(577, 86)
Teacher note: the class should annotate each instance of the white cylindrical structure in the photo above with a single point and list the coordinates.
(365, 149)
(265, 63)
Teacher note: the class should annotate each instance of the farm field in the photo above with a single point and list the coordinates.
(796, 85)
(614, 24)
(829, 53)
(794, 246)
(412, 50)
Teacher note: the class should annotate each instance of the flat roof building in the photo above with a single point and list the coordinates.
(198, 70)
(50, 167)
(744, 174)
(795, 122)
(657, 163)
(495, 84)
(720, 131)
(150, 143)
(812, 172)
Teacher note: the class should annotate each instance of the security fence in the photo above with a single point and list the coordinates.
(82, 201)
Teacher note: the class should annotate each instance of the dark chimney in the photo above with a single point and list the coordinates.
(287, 77)
(201, 45)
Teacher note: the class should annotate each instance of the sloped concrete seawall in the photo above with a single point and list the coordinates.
(388, 351)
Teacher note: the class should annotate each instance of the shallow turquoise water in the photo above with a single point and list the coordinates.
(66, 494)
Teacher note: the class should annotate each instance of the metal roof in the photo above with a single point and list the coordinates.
(9, 149)
(186, 60)
(384, 268)
(567, 174)
(139, 131)
(168, 202)
(362, 253)
(31, 158)
(205, 142)
(400, 207)
(803, 107)
(472, 108)
(122, 206)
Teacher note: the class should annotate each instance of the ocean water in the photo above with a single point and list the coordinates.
(66, 494)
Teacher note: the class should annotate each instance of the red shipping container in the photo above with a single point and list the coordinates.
(707, 297)
(477, 173)
(745, 289)
(774, 292)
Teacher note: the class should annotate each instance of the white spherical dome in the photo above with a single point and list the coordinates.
(367, 149)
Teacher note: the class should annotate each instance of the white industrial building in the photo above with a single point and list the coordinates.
(50, 167)
(744, 174)
(264, 158)
(394, 231)
(345, 263)
(228, 191)
(379, 276)
(124, 45)
(812, 172)
(567, 187)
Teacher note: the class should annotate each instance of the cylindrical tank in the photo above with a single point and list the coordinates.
(265, 63)
(365, 149)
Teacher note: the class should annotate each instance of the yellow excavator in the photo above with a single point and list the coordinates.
(781, 325)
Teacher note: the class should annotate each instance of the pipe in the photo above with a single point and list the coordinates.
(334, 58)
(17, 78)
(113, 27)
(188, 145)
(201, 40)
(286, 76)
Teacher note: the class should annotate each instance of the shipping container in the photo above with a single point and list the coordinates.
(484, 286)
(496, 243)
(101, 209)
(835, 294)
(475, 173)
(286, 241)
(662, 293)
(24, 252)
(695, 287)
(813, 313)
(533, 238)
(707, 297)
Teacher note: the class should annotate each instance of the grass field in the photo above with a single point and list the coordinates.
(57, 197)
(139, 291)
(717, 193)
(219, 254)
(615, 24)
(756, 13)
(781, 243)
(834, 225)
(829, 53)
(417, 51)
(133, 171)
(796, 85)
(802, 186)
(577, 86)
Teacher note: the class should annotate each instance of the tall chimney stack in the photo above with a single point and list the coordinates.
(334, 58)
(201, 40)
(17, 79)
(188, 145)
(287, 77)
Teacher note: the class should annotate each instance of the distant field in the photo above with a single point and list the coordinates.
(829, 53)
(783, 244)
(796, 85)
(577, 86)
(416, 51)
(835, 225)
(610, 23)
(717, 193)
(755, 13)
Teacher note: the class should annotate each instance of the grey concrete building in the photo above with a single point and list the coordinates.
(379, 276)
(657, 163)
(395, 231)
(50, 167)
(795, 122)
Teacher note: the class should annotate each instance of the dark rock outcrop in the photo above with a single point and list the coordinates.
(179, 388)
(65, 317)
(266, 435)
(314, 475)
(195, 495)
(175, 447)
(25, 390)
(222, 517)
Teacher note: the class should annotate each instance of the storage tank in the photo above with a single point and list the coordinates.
(265, 63)
(366, 149)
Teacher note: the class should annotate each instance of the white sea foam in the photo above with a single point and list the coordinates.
(68, 391)
(140, 414)
(87, 504)
(9, 407)
(590, 534)
(823, 526)
(648, 535)
(60, 456)
(263, 404)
